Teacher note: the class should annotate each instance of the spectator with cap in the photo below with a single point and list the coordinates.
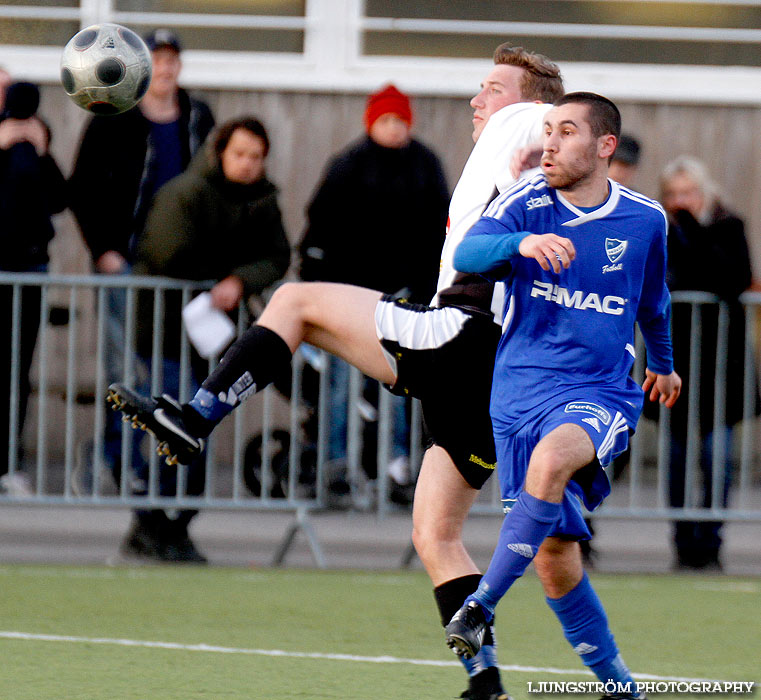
(122, 162)
(377, 220)
(147, 146)
(625, 163)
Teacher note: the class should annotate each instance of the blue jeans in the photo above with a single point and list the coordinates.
(698, 542)
(114, 349)
(339, 407)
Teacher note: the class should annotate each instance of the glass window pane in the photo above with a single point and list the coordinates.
(578, 12)
(42, 3)
(566, 49)
(36, 32)
(227, 39)
(286, 8)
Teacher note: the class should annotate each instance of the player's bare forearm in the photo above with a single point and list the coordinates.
(549, 250)
(664, 388)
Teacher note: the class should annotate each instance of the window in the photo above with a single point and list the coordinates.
(602, 31)
(675, 50)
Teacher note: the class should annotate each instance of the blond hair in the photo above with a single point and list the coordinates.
(541, 78)
(697, 171)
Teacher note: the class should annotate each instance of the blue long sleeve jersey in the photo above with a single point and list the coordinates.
(565, 331)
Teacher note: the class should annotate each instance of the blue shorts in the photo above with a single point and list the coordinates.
(609, 431)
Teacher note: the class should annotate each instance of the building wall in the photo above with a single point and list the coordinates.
(306, 128)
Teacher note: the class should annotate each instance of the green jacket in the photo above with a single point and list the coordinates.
(203, 227)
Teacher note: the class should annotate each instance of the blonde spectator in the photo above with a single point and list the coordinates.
(707, 251)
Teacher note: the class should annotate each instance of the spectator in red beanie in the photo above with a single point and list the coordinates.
(377, 220)
(388, 118)
(378, 217)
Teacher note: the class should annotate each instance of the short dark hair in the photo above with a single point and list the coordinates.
(251, 124)
(604, 117)
(541, 79)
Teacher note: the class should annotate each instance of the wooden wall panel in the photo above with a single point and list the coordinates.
(306, 128)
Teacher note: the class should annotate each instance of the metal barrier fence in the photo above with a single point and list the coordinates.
(642, 490)
(68, 413)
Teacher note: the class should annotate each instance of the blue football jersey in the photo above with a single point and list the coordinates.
(575, 328)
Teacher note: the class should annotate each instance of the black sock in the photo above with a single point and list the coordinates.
(450, 597)
(259, 357)
(254, 360)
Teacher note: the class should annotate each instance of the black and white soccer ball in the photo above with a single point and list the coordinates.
(106, 68)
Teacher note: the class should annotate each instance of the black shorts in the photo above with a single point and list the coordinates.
(445, 357)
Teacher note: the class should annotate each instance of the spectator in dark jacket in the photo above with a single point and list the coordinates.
(707, 251)
(32, 189)
(123, 160)
(378, 217)
(220, 220)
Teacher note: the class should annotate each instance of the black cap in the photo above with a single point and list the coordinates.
(159, 38)
(627, 150)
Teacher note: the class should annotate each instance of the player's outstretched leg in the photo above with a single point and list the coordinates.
(335, 317)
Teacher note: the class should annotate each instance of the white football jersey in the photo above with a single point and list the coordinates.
(487, 169)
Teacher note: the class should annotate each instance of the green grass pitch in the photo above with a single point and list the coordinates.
(166, 633)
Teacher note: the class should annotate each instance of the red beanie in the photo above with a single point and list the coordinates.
(389, 99)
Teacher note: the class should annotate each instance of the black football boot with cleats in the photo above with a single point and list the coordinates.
(465, 631)
(162, 417)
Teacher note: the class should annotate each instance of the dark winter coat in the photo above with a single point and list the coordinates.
(32, 189)
(378, 220)
(712, 258)
(111, 181)
(204, 227)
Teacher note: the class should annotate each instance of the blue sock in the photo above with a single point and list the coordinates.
(523, 531)
(585, 626)
(209, 406)
(486, 657)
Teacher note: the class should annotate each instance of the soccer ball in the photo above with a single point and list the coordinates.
(106, 68)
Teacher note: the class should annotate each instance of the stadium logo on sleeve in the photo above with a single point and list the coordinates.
(587, 407)
(615, 249)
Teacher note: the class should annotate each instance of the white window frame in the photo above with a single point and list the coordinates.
(332, 60)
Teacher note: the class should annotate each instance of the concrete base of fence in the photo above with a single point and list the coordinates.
(348, 540)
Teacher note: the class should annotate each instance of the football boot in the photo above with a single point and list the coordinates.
(162, 418)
